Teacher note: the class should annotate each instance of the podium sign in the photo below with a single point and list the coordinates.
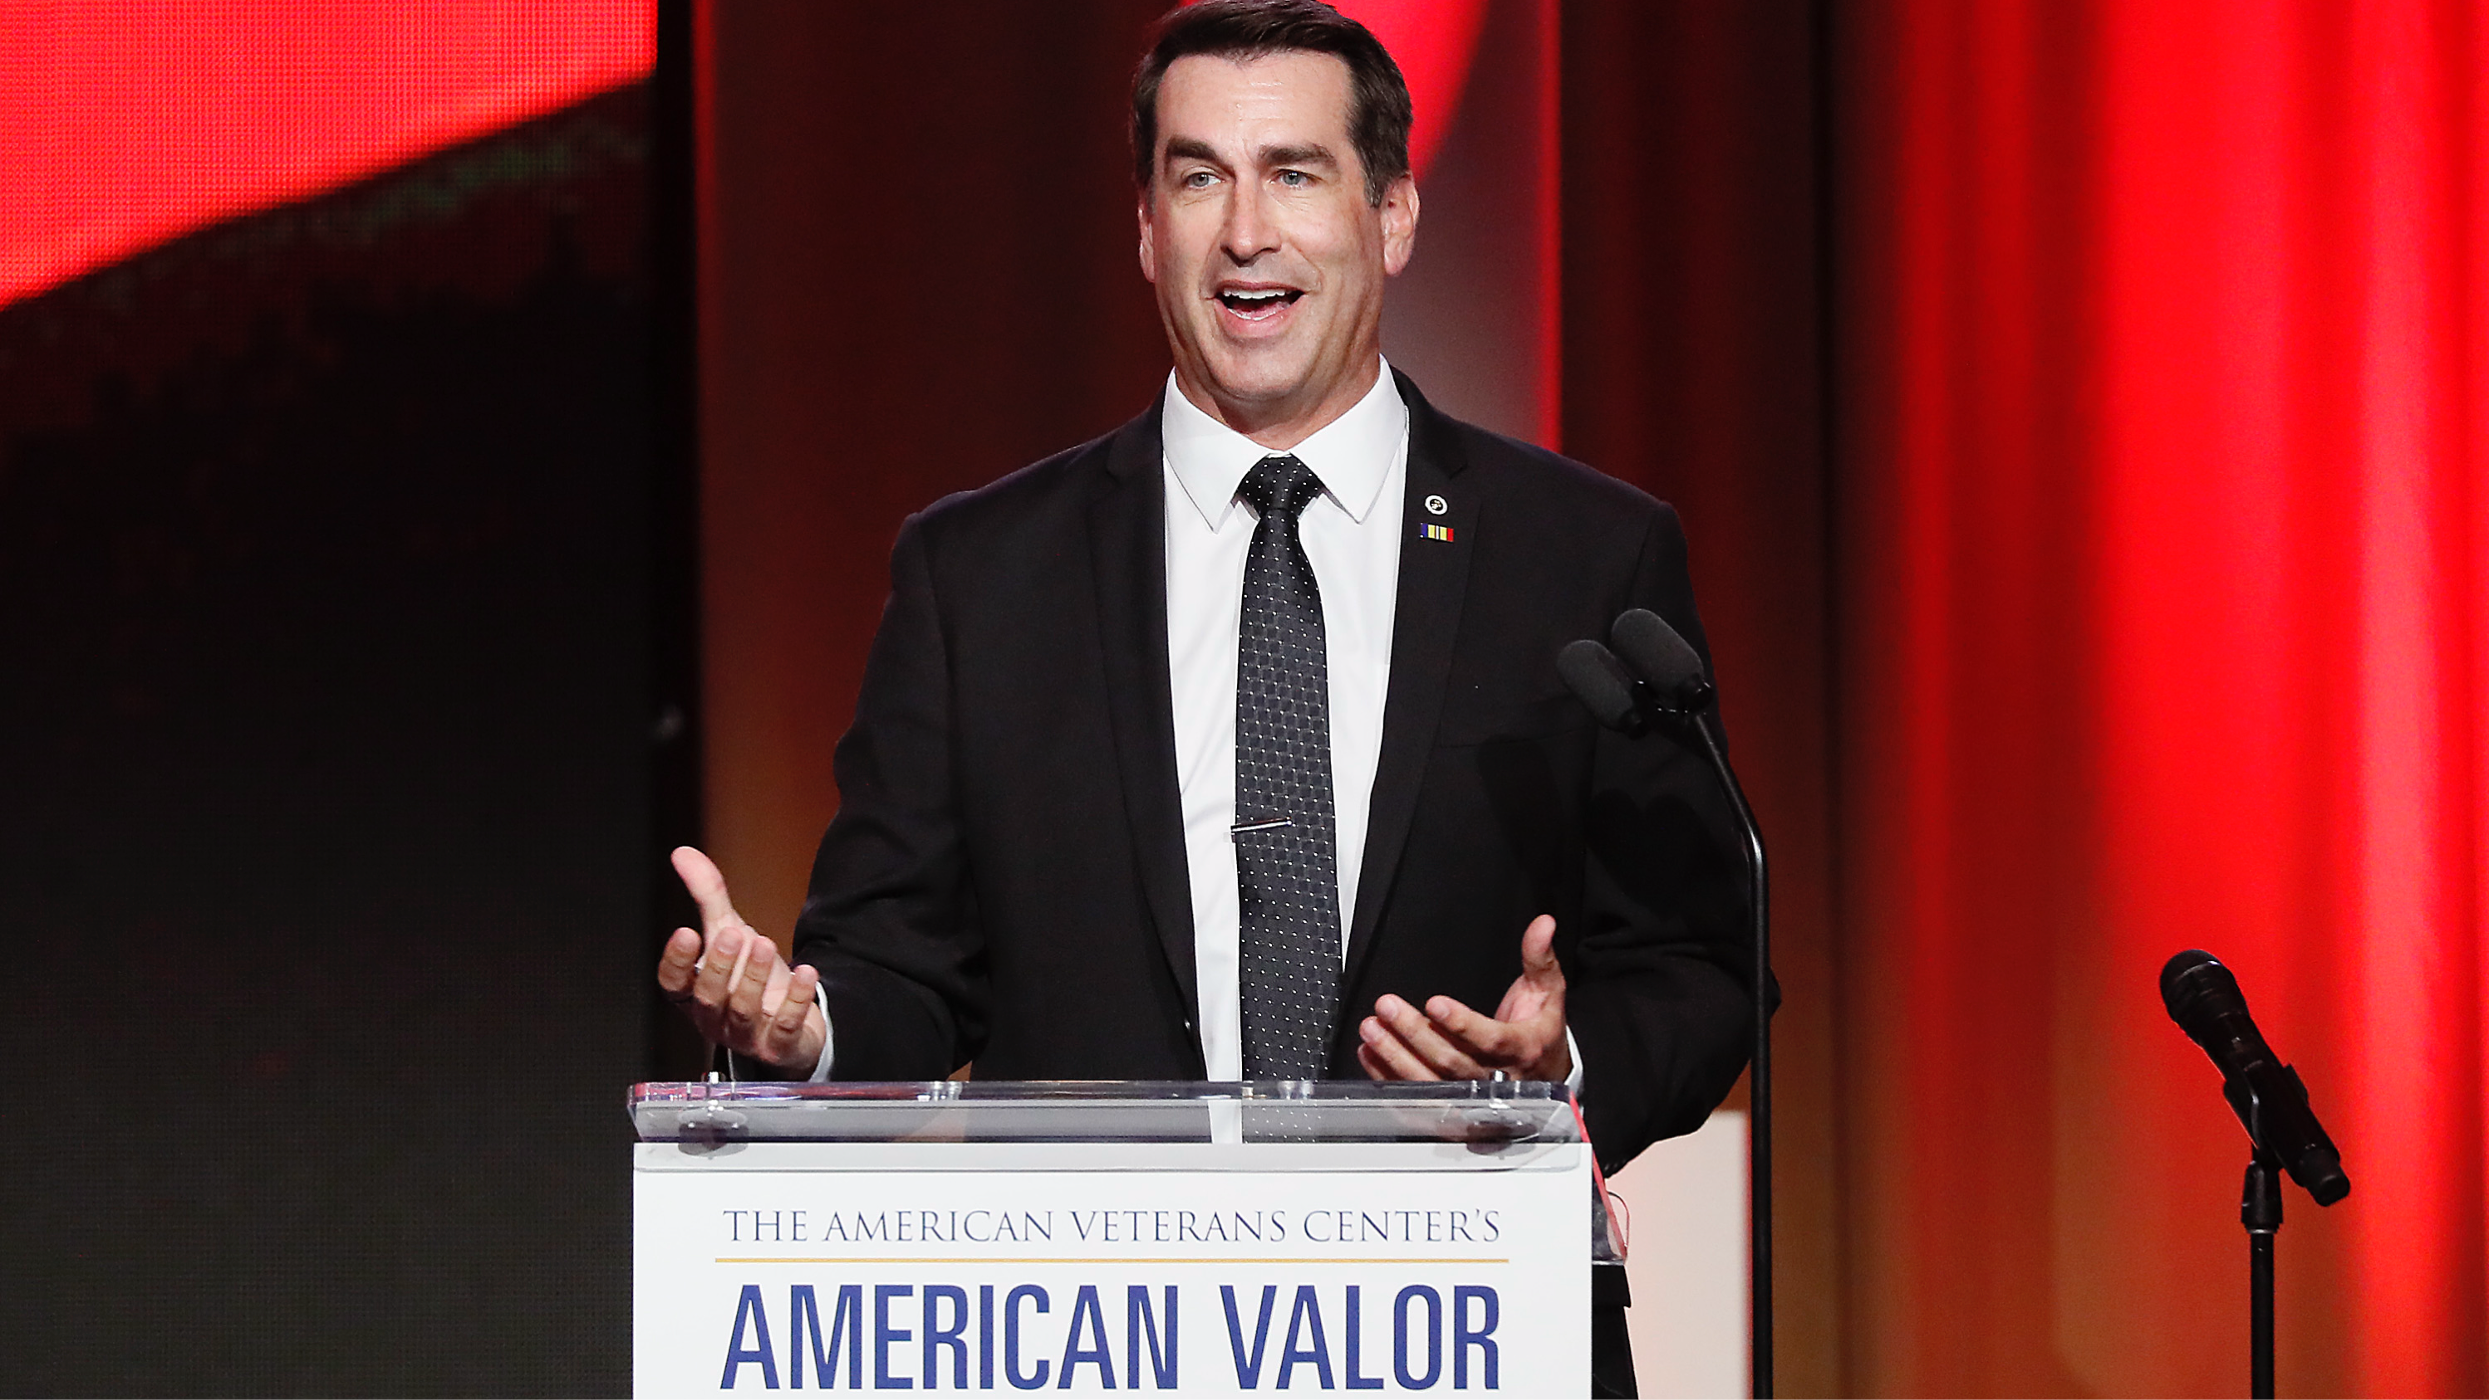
(1194, 1239)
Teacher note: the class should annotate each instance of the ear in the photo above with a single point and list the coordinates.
(1399, 224)
(1149, 240)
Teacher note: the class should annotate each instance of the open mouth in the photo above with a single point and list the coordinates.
(1260, 303)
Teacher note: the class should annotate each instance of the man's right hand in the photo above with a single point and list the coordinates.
(733, 984)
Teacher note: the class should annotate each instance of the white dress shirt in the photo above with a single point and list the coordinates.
(1351, 534)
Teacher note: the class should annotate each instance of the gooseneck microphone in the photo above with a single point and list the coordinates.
(2268, 1096)
(1659, 685)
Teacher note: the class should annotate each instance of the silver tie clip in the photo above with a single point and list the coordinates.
(1263, 824)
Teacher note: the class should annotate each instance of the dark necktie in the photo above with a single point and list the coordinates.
(1285, 864)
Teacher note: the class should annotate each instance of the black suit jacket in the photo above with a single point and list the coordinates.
(1005, 879)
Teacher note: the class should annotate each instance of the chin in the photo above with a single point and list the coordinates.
(1259, 379)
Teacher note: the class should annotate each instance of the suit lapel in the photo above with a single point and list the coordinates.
(1434, 579)
(1128, 545)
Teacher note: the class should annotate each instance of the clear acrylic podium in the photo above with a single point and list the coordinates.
(1199, 1239)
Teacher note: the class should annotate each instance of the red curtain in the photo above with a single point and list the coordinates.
(1692, 368)
(2161, 422)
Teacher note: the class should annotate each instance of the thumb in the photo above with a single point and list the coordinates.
(708, 889)
(1538, 993)
(1538, 949)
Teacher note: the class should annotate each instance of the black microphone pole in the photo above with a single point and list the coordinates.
(1671, 686)
(2260, 1210)
(1760, 1087)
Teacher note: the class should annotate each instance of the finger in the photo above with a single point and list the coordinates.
(782, 1039)
(751, 983)
(1538, 948)
(719, 965)
(781, 973)
(1380, 1046)
(675, 966)
(1371, 1063)
(1427, 1041)
(1486, 1039)
(1536, 997)
(700, 875)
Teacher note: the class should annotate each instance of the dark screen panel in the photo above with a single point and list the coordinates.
(325, 734)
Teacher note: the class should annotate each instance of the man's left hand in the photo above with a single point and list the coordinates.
(1524, 1038)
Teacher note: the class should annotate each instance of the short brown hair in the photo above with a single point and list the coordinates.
(1378, 105)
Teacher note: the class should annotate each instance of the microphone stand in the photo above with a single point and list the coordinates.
(2271, 1102)
(2260, 1210)
(1630, 704)
(1759, 1121)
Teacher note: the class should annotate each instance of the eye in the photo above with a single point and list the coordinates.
(1295, 179)
(1198, 180)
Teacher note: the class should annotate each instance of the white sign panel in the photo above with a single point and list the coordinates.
(1192, 1268)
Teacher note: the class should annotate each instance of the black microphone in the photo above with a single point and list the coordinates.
(2268, 1096)
(1658, 678)
(1603, 684)
(1672, 669)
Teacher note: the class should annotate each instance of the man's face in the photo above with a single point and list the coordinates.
(1268, 261)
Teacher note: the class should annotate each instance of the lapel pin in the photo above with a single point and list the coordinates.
(1436, 505)
(1436, 532)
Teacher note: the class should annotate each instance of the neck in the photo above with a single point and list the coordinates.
(1281, 424)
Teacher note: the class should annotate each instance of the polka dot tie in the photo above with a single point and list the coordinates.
(1286, 867)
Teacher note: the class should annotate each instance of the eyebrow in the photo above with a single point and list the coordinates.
(1187, 148)
(1298, 155)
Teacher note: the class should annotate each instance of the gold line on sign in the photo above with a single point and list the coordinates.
(980, 1259)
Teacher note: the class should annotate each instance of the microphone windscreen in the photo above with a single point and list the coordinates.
(1652, 647)
(1601, 681)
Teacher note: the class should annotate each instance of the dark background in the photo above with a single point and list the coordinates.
(331, 546)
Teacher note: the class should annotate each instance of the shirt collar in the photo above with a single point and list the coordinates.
(1350, 455)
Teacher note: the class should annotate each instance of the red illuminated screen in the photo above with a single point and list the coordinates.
(125, 123)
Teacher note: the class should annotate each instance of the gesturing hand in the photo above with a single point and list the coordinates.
(742, 995)
(1525, 1037)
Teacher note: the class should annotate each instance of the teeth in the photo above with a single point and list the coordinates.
(1256, 296)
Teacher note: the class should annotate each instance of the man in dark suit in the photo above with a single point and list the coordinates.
(1232, 744)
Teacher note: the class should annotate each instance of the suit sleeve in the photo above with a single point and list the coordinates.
(890, 919)
(1659, 984)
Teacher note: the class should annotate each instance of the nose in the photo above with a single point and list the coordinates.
(1249, 231)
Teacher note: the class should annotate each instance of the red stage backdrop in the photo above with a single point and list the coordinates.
(2163, 441)
(2139, 600)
